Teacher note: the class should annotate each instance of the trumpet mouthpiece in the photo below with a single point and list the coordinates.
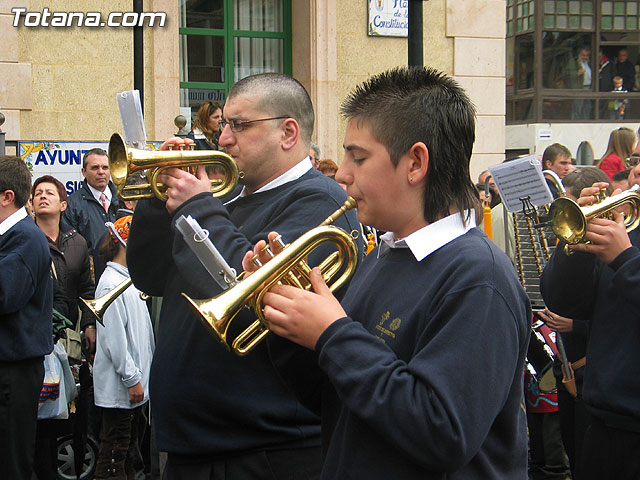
(347, 205)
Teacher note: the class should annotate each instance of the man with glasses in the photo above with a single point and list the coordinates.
(216, 414)
(600, 282)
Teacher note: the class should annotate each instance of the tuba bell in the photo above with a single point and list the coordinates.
(287, 267)
(569, 220)
(125, 161)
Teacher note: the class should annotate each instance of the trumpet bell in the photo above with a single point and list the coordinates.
(118, 161)
(212, 316)
(567, 220)
(125, 161)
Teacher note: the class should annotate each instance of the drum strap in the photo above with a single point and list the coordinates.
(579, 363)
(570, 383)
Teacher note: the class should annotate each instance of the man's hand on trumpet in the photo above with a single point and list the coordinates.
(182, 185)
(293, 313)
(607, 238)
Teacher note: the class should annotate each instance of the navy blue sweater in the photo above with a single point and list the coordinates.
(425, 376)
(581, 286)
(26, 293)
(207, 401)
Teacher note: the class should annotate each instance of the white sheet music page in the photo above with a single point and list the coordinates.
(130, 108)
(521, 178)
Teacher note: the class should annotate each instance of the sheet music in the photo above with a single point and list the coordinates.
(132, 120)
(198, 240)
(521, 178)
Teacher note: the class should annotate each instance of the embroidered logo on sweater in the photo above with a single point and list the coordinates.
(387, 332)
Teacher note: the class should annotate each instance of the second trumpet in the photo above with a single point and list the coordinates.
(569, 220)
(125, 161)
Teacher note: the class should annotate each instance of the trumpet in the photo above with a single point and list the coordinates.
(287, 267)
(569, 220)
(99, 305)
(125, 161)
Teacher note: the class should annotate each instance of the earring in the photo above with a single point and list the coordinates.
(410, 179)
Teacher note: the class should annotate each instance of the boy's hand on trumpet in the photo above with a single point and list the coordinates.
(299, 315)
(293, 313)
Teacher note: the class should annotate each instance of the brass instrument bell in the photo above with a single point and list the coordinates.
(99, 305)
(569, 220)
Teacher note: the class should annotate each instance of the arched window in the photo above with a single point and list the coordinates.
(584, 155)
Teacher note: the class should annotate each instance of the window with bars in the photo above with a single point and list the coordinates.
(520, 15)
(562, 65)
(619, 15)
(223, 41)
(569, 14)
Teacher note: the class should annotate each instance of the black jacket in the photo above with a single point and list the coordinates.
(73, 271)
(581, 286)
(86, 215)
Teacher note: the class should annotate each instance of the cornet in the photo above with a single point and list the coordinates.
(125, 161)
(287, 267)
(569, 220)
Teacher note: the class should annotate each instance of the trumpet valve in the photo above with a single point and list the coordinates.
(279, 242)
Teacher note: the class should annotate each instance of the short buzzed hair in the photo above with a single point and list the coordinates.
(279, 95)
(15, 176)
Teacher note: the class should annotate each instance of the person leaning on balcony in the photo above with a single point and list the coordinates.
(580, 77)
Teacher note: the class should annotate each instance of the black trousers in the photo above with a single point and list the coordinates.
(548, 460)
(574, 420)
(609, 453)
(119, 453)
(45, 464)
(290, 464)
(20, 385)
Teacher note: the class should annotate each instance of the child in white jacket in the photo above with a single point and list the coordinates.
(124, 351)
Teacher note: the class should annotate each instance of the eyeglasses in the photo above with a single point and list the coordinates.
(632, 161)
(239, 125)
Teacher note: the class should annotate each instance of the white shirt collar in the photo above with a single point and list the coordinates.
(12, 219)
(295, 172)
(97, 193)
(430, 238)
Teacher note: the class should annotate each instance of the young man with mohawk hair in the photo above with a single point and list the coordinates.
(421, 364)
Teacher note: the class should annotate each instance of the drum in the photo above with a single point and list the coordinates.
(540, 356)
